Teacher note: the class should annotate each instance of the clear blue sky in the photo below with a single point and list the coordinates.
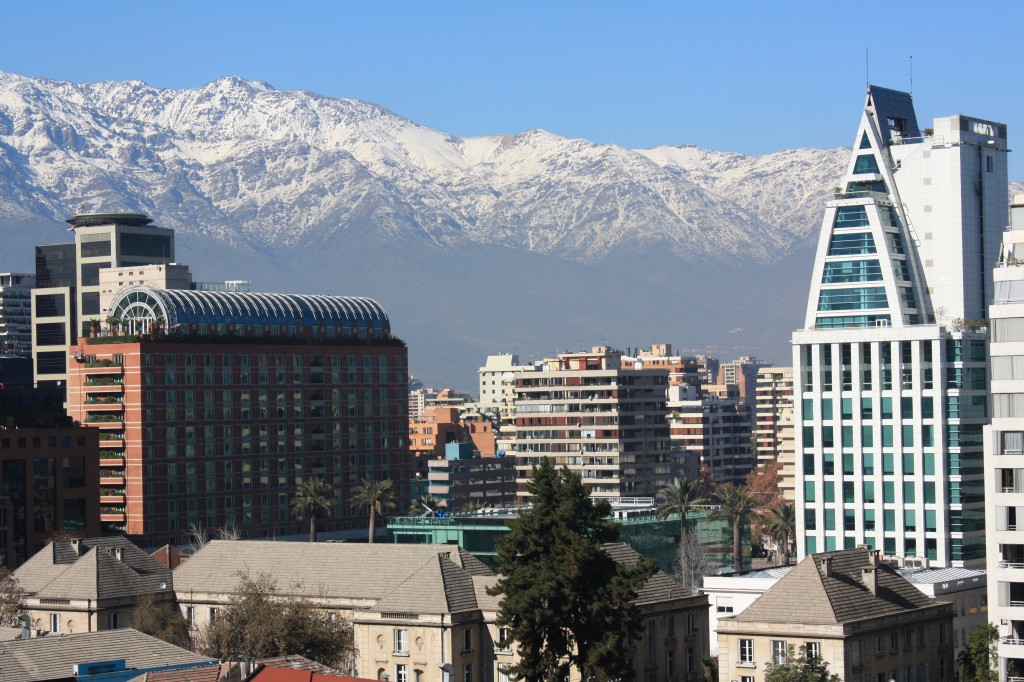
(752, 77)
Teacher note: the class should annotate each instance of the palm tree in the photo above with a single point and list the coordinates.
(735, 503)
(312, 495)
(682, 496)
(377, 496)
(780, 523)
(423, 503)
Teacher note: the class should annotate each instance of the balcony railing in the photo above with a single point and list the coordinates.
(1011, 564)
(1010, 639)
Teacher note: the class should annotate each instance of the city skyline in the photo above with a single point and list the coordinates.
(659, 74)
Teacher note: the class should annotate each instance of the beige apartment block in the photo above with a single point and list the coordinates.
(849, 609)
(602, 421)
(773, 425)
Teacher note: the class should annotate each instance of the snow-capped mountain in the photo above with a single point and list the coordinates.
(309, 193)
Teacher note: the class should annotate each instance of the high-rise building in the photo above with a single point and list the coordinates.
(773, 425)
(1004, 451)
(890, 365)
(221, 403)
(707, 430)
(16, 313)
(66, 302)
(606, 423)
(742, 373)
(497, 384)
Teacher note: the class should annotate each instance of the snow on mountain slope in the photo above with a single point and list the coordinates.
(242, 162)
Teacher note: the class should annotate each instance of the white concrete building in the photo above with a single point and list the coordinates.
(497, 384)
(66, 300)
(1004, 451)
(890, 365)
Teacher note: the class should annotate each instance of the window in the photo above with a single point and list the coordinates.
(214, 612)
(504, 642)
(467, 673)
(813, 650)
(114, 621)
(503, 674)
(723, 605)
(894, 642)
(55, 623)
(401, 673)
(778, 651)
(190, 616)
(467, 640)
(747, 652)
(879, 645)
(401, 641)
(670, 663)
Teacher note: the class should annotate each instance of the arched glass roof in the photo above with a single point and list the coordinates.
(211, 312)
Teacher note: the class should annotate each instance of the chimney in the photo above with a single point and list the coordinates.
(869, 575)
(76, 545)
(825, 567)
(119, 554)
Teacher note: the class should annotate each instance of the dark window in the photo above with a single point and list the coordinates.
(90, 304)
(91, 273)
(146, 246)
(50, 334)
(95, 249)
(50, 305)
(55, 266)
(51, 363)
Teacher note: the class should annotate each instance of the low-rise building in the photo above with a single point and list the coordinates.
(119, 656)
(464, 479)
(74, 586)
(965, 588)
(422, 612)
(847, 608)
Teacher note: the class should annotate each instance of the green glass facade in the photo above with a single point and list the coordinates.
(651, 536)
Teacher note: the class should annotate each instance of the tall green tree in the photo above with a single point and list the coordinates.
(377, 496)
(799, 668)
(780, 522)
(259, 623)
(735, 504)
(312, 496)
(978, 662)
(568, 604)
(680, 497)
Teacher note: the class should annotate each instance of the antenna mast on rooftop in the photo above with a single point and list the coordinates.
(911, 75)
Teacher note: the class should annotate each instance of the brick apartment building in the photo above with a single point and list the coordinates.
(213, 406)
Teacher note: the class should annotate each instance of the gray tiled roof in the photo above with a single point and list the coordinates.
(400, 578)
(59, 571)
(47, 658)
(806, 595)
(659, 587)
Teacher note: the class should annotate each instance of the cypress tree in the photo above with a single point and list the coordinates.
(567, 604)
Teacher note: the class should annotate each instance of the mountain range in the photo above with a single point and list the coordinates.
(528, 243)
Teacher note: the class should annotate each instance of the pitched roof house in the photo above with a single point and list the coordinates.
(74, 586)
(846, 607)
(416, 608)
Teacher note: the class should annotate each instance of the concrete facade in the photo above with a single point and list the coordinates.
(606, 423)
(1004, 451)
(890, 365)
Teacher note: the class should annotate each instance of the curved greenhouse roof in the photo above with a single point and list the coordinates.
(228, 313)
